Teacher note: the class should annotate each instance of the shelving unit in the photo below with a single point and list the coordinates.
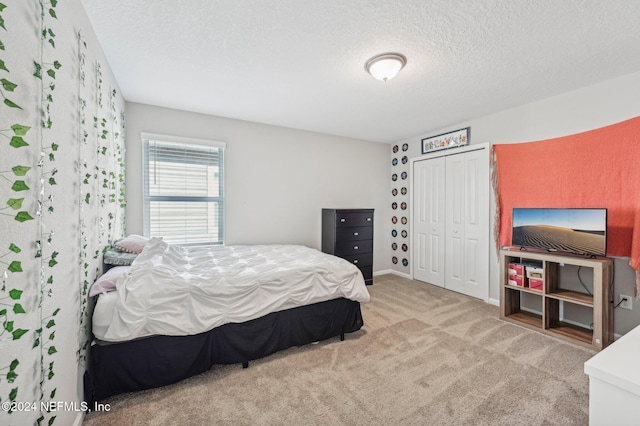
(598, 336)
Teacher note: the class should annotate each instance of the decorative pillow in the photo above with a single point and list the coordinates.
(107, 282)
(132, 243)
(114, 256)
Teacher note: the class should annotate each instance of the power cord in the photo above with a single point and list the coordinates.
(581, 282)
(624, 299)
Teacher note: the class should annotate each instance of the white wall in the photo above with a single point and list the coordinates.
(574, 112)
(277, 180)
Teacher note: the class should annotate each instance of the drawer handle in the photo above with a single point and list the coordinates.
(355, 247)
(355, 261)
(356, 234)
(343, 220)
(368, 219)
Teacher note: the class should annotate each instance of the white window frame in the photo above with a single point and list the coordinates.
(146, 198)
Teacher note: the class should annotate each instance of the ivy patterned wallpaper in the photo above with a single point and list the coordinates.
(61, 201)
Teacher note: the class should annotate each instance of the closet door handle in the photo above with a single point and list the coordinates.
(355, 247)
(356, 234)
(355, 261)
(342, 219)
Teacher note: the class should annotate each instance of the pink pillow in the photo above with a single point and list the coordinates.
(132, 243)
(107, 282)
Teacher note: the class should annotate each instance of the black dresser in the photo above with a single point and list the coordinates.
(348, 233)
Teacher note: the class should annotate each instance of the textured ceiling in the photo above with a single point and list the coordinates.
(300, 64)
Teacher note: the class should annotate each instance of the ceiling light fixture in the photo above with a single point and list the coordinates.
(384, 67)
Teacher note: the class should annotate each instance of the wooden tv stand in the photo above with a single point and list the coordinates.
(552, 295)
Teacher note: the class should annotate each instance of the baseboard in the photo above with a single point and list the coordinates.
(531, 311)
(576, 323)
(495, 302)
(392, 272)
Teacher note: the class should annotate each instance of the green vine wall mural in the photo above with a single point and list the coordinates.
(62, 200)
(12, 257)
(83, 195)
(46, 69)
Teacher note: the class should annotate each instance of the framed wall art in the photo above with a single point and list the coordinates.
(446, 140)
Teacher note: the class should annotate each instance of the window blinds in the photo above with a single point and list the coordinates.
(184, 191)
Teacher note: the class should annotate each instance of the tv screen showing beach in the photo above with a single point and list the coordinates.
(581, 231)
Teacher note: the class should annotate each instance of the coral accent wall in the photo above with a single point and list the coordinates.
(570, 172)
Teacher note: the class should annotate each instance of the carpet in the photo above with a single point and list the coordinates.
(426, 356)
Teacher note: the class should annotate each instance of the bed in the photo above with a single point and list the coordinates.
(177, 311)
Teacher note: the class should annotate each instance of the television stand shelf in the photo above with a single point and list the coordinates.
(514, 287)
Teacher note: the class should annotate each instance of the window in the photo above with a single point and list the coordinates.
(183, 190)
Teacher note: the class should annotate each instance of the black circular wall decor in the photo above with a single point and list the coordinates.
(405, 159)
(405, 247)
(404, 233)
(405, 146)
(394, 260)
(394, 205)
(404, 175)
(403, 205)
(394, 246)
(394, 219)
(394, 162)
(405, 262)
(394, 192)
(394, 177)
(395, 148)
(403, 220)
(394, 233)
(403, 191)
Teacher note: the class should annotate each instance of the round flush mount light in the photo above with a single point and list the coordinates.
(384, 67)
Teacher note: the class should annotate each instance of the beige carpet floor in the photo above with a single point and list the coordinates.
(426, 356)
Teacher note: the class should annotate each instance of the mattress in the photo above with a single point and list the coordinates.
(103, 311)
(177, 291)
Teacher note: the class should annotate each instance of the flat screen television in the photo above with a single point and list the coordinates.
(578, 231)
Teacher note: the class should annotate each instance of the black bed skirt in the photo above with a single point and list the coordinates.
(161, 360)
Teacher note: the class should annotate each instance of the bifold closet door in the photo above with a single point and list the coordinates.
(467, 223)
(450, 222)
(429, 220)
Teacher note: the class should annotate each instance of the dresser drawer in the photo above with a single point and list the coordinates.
(353, 247)
(367, 274)
(347, 218)
(360, 260)
(354, 233)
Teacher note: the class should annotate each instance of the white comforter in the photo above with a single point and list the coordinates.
(172, 290)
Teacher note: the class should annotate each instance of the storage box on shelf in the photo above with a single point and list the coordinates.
(540, 279)
(536, 284)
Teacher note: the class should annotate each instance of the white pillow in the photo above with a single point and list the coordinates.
(132, 243)
(107, 282)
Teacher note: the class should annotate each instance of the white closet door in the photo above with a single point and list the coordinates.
(454, 235)
(477, 224)
(429, 220)
(467, 227)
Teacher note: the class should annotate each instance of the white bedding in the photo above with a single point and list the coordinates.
(172, 290)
